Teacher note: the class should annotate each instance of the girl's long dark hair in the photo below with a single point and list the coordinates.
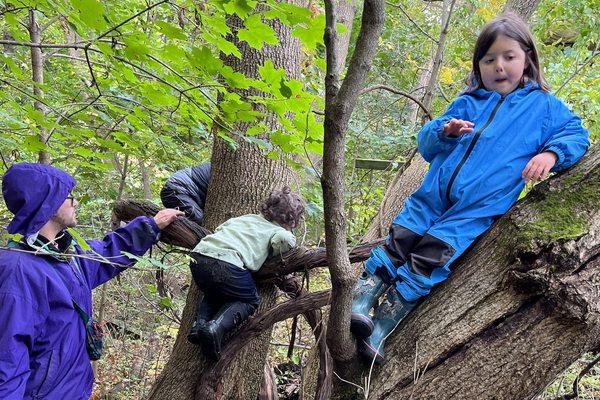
(510, 25)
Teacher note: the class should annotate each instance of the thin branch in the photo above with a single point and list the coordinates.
(585, 64)
(331, 43)
(91, 69)
(50, 22)
(182, 92)
(575, 394)
(413, 22)
(211, 377)
(13, 10)
(398, 92)
(150, 7)
(42, 45)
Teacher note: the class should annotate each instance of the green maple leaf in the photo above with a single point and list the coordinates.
(257, 33)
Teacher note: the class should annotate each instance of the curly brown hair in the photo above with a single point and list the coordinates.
(283, 207)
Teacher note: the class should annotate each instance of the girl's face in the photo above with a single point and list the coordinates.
(502, 66)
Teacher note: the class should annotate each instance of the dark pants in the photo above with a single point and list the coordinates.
(222, 282)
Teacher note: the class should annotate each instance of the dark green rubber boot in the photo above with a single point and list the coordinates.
(366, 292)
(387, 316)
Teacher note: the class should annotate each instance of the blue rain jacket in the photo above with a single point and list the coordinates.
(476, 177)
(42, 340)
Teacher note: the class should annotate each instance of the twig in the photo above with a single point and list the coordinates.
(414, 23)
(575, 394)
(150, 7)
(398, 92)
(13, 10)
(585, 64)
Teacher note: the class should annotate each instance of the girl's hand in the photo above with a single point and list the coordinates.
(164, 217)
(456, 127)
(538, 167)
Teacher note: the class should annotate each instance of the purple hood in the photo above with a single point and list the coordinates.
(33, 193)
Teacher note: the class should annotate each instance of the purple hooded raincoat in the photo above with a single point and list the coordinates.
(42, 338)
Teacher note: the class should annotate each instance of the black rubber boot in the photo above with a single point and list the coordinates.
(205, 311)
(229, 317)
(368, 289)
(387, 316)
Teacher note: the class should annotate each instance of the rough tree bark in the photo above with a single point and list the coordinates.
(339, 104)
(240, 180)
(525, 8)
(519, 309)
(37, 70)
(524, 302)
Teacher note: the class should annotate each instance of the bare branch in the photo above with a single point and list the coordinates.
(398, 6)
(398, 92)
(145, 10)
(211, 378)
(581, 67)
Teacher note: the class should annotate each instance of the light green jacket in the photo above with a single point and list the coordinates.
(246, 241)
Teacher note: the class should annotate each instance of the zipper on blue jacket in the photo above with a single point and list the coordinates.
(470, 148)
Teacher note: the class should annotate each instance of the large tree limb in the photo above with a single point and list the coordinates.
(213, 374)
(187, 234)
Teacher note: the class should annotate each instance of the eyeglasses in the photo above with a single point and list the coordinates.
(72, 198)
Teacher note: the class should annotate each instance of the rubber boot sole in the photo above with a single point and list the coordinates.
(193, 338)
(361, 326)
(368, 353)
(211, 347)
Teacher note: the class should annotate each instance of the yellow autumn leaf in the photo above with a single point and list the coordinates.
(447, 75)
(485, 13)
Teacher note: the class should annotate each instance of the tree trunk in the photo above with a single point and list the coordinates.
(339, 104)
(525, 8)
(240, 180)
(524, 302)
(520, 308)
(37, 70)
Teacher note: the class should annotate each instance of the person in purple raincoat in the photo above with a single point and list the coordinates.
(42, 337)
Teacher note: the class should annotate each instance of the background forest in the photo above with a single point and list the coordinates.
(123, 93)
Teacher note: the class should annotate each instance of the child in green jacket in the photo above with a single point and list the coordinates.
(224, 261)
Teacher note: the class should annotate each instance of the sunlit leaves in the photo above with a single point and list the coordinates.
(311, 32)
(171, 31)
(162, 81)
(257, 33)
(90, 13)
(239, 7)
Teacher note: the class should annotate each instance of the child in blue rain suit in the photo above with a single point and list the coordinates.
(504, 131)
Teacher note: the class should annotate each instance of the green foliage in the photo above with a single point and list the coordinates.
(147, 93)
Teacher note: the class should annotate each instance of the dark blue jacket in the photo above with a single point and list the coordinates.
(186, 190)
(42, 341)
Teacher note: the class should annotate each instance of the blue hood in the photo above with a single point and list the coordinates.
(33, 193)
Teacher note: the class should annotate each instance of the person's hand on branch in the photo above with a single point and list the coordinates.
(538, 167)
(165, 217)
